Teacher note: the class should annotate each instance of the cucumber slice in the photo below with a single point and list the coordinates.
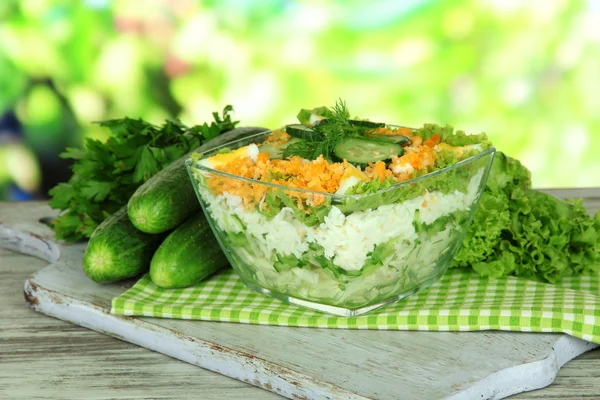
(364, 151)
(304, 132)
(400, 139)
(355, 122)
(366, 124)
(275, 150)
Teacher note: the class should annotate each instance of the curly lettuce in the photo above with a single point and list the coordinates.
(305, 114)
(523, 232)
(448, 135)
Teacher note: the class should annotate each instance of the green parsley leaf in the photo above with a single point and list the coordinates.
(97, 190)
(105, 174)
(61, 195)
(73, 153)
(146, 167)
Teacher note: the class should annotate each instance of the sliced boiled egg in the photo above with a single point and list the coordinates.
(224, 158)
(351, 177)
(403, 168)
(314, 118)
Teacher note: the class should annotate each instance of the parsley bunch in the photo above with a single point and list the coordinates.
(105, 175)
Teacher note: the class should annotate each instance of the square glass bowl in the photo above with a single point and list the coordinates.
(340, 254)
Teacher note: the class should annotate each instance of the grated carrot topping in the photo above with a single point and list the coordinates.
(318, 175)
(432, 141)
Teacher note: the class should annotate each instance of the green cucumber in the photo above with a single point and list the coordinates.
(363, 151)
(400, 139)
(117, 250)
(304, 132)
(168, 198)
(355, 122)
(276, 150)
(188, 255)
(165, 202)
(366, 124)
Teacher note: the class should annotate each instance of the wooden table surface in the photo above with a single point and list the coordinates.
(45, 358)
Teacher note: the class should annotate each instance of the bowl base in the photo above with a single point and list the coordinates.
(342, 311)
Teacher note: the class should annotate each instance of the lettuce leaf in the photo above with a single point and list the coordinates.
(275, 200)
(523, 232)
(448, 135)
(304, 114)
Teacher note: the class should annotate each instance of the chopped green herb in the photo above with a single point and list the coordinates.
(106, 174)
(337, 129)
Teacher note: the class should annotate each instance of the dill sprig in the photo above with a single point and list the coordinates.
(328, 134)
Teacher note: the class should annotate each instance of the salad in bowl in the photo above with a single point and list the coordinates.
(342, 215)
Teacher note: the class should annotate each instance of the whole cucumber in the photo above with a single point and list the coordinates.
(188, 255)
(117, 250)
(168, 198)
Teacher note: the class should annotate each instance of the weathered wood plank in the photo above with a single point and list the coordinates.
(46, 358)
(63, 343)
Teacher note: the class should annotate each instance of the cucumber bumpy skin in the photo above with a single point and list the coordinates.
(167, 199)
(117, 250)
(188, 255)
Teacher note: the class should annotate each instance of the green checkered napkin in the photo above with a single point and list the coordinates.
(460, 301)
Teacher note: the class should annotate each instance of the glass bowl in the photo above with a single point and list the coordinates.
(341, 254)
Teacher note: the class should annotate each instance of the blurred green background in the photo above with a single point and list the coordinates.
(525, 72)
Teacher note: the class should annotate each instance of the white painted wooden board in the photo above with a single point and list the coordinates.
(298, 362)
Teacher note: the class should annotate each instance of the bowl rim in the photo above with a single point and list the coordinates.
(334, 196)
